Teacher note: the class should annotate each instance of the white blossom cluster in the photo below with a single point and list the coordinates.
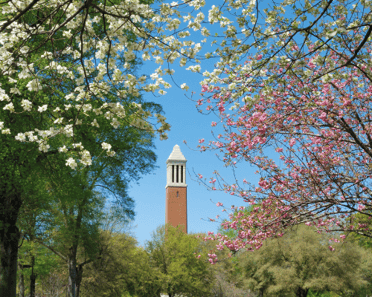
(107, 148)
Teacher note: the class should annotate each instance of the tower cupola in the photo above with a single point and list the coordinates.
(176, 168)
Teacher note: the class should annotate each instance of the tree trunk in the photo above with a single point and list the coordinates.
(301, 292)
(75, 272)
(9, 238)
(32, 278)
(21, 284)
(72, 275)
(32, 284)
(79, 277)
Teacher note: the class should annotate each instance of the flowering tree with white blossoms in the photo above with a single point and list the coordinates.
(61, 86)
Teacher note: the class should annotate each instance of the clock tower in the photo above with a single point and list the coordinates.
(176, 190)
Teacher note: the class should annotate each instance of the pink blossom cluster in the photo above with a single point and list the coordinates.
(320, 133)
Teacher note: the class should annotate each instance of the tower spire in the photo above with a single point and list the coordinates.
(176, 189)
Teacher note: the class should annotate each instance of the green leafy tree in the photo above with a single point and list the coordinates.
(32, 259)
(173, 254)
(103, 173)
(302, 260)
(122, 269)
(357, 221)
(81, 206)
(366, 242)
(74, 231)
(40, 91)
(74, 209)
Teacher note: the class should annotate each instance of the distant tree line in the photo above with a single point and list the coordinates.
(300, 263)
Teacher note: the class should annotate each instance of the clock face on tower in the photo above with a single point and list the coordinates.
(176, 190)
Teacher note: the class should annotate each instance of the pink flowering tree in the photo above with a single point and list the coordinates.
(293, 101)
(309, 135)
